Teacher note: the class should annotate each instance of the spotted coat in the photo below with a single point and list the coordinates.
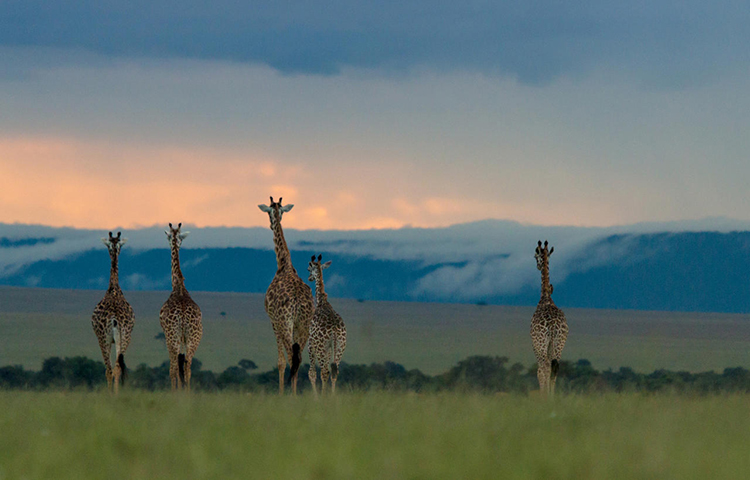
(549, 328)
(180, 319)
(327, 332)
(288, 301)
(113, 318)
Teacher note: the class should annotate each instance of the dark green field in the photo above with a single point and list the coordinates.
(143, 435)
(39, 323)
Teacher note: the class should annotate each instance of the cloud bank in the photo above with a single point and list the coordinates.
(534, 42)
(465, 262)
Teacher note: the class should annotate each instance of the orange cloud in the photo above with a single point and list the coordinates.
(100, 185)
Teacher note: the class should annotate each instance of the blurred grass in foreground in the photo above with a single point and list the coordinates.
(375, 435)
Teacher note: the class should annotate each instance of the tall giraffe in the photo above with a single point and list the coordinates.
(549, 329)
(113, 318)
(180, 318)
(327, 331)
(288, 302)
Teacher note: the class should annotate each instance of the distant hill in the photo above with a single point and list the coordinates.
(485, 262)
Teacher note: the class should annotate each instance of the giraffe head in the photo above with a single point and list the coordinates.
(175, 236)
(542, 254)
(114, 244)
(275, 211)
(316, 268)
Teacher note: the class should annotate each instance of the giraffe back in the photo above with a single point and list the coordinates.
(181, 319)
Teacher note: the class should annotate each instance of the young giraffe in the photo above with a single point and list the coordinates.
(113, 318)
(180, 318)
(288, 301)
(327, 331)
(549, 329)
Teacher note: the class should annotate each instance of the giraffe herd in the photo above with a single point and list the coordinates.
(296, 317)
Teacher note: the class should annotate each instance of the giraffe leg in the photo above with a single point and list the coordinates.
(324, 374)
(542, 374)
(312, 373)
(334, 376)
(107, 362)
(282, 350)
(188, 371)
(116, 378)
(338, 352)
(174, 370)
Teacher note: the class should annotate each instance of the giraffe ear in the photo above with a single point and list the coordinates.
(264, 208)
(183, 235)
(286, 208)
(167, 233)
(123, 241)
(325, 265)
(105, 241)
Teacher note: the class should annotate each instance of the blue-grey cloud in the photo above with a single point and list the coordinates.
(467, 262)
(534, 41)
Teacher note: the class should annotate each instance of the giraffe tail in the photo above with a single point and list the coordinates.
(123, 368)
(296, 359)
(554, 367)
(181, 366)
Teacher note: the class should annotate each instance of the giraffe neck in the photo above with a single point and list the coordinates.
(546, 287)
(320, 291)
(283, 258)
(114, 280)
(178, 281)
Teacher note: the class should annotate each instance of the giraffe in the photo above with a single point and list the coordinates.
(288, 301)
(549, 329)
(180, 318)
(113, 318)
(327, 331)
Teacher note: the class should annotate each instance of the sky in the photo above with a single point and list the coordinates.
(373, 114)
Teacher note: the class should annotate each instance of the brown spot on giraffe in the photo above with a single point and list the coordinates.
(549, 329)
(113, 318)
(288, 301)
(180, 318)
(327, 331)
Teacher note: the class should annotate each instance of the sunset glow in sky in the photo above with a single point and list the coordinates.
(421, 113)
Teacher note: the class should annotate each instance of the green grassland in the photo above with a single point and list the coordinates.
(39, 323)
(94, 435)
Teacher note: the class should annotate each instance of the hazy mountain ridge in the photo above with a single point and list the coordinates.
(489, 261)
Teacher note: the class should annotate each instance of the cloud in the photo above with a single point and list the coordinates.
(532, 41)
(466, 262)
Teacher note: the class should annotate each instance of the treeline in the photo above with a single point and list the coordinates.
(474, 374)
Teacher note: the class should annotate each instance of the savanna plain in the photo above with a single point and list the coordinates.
(374, 434)
(94, 435)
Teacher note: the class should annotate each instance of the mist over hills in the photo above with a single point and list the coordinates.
(695, 266)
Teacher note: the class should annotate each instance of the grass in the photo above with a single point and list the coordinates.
(373, 435)
(41, 323)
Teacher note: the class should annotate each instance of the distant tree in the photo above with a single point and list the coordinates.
(15, 377)
(247, 364)
(160, 336)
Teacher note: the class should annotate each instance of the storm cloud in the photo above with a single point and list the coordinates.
(670, 43)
